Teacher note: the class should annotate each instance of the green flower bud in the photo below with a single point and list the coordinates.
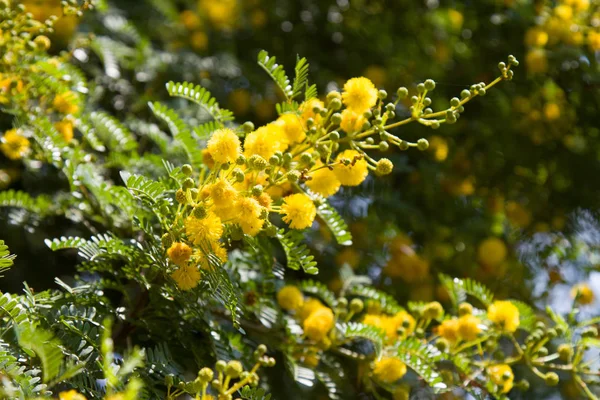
(293, 176)
(422, 144)
(382, 94)
(336, 119)
(429, 84)
(426, 101)
(565, 352)
(333, 95)
(241, 160)
(356, 305)
(342, 302)
(383, 146)
(262, 349)
(523, 385)
(454, 102)
(366, 125)
(403, 145)
(216, 384)
(368, 114)
(167, 240)
(335, 104)
(414, 99)
(234, 369)
(442, 345)
(248, 126)
(180, 196)
(402, 92)
(257, 190)
(199, 212)
(257, 162)
(206, 375)
(421, 87)
(465, 309)
(274, 160)
(310, 122)
(169, 380)
(335, 136)
(433, 310)
(551, 379)
(465, 94)
(187, 169)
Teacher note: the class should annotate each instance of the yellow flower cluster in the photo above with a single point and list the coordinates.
(466, 327)
(14, 145)
(582, 293)
(504, 314)
(317, 319)
(389, 369)
(502, 376)
(394, 326)
(404, 262)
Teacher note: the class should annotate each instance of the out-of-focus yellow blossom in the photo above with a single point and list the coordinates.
(439, 147)
(318, 324)
(351, 121)
(71, 395)
(502, 376)
(66, 103)
(468, 327)
(65, 128)
(199, 40)
(582, 293)
(14, 145)
(308, 307)
(536, 61)
(179, 253)
(290, 298)
(492, 252)
(239, 101)
(265, 141)
(448, 329)
(389, 369)
(190, 20)
(504, 314)
(536, 37)
(222, 14)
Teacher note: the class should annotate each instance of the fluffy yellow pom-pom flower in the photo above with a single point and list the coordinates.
(14, 146)
(307, 109)
(309, 306)
(352, 121)
(359, 94)
(318, 324)
(71, 395)
(224, 146)
(389, 369)
(323, 181)
(179, 253)
(186, 277)
(265, 141)
(208, 228)
(505, 314)
(66, 103)
(248, 215)
(492, 252)
(350, 169)
(298, 211)
(222, 193)
(292, 128)
(290, 298)
(449, 330)
(65, 128)
(502, 376)
(468, 327)
(583, 293)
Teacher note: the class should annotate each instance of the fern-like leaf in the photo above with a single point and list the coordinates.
(297, 254)
(276, 72)
(354, 330)
(6, 259)
(387, 303)
(140, 186)
(332, 219)
(116, 136)
(319, 290)
(202, 97)
(15, 198)
(527, 317)
(180, 132)
(460, 288)
(45, 346)
(301, 78)
(421, 358)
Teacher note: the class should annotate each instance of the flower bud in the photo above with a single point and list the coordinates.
(465, 309)
(180, 196)
(402, 92)
(422, 144)
(433, 310)
(187, 169)
(335, 104)
(382, 94)
(167, 240)
(206, 375)
(199, 212)
(220, 365)
(551, 379)
(429, 84)
(356, 305)
(465, 93)
(384, 166)
(293, 176)
(565, 351)
(248, 127)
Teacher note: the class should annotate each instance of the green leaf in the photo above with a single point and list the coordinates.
(6, 259)
(297, 254)
(223, 288)
(202, 97)
(375, 335)
(205, 130)
(320, 290)
(301, 78)
(180, 132)
(421, 358)
(140, 186)
(527, 317)
(558, 319)
(16, 198)
(276, 72)
(460, 288)
(388, 304)
(115, 135)
(45, 346)
(311, 92)
(257, 393)
(333, 220)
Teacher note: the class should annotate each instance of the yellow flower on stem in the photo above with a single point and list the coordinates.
(359, 94)
(265, 141)
(351, 168)
(318, 324)
(351, 121)
(505, 314)
(298, 211)
(186, 277)
(389, 369)
(468, 327)
(14, 145)
(224, 146)
(65, 128)
(179, 253)
(290, 298)
(323, 181)
(307, 109)
(71, 395)
(208, 228)
(502, 376)
(582, 293)
(66, 103)
(248, 215)
(308, 307)
(292, 128)
(222, 193)
(448, 329)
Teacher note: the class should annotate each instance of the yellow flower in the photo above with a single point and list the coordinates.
(222, 193)
(593, 41)
(290, 298)
(318, 324)
(307, 109)
(536, 60)
(65, 128)
(355, 172)
(189, 19)
(552, 111)
(439, 147)
(389, 369)
(199, 40)
(265, 141)
(536, 37)
(406, 321)
(583, 293)
(14, 146)
(248, 215)
(309, 306)
(215, 248)
(492, 252)
(323, 181)
(449, 330)
(564, 12)
(222, 13)
(208, 228)
(71, 395)
(298, 211)
(292, 128)
(505, 314)
(359, 94)
(352, 121)
(66, 103)
(517, 214)
(468, 327)
(502, 376)
(179, 253)
(186, 277)
(224, 146)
